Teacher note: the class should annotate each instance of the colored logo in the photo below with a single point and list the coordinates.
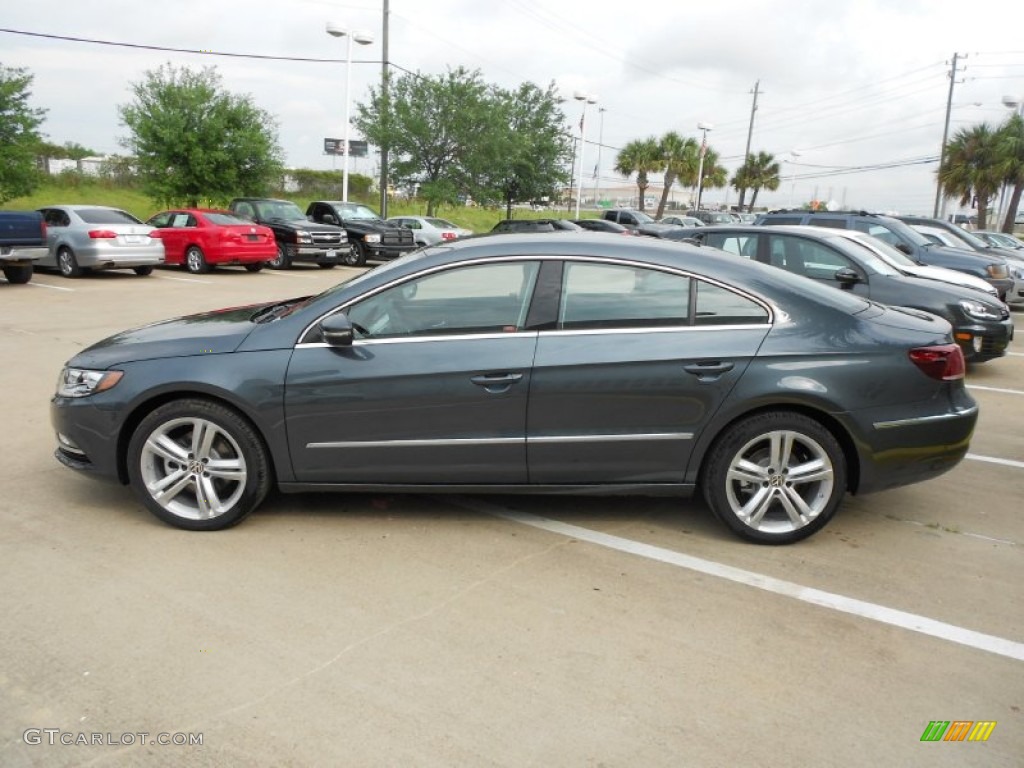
(958, 730)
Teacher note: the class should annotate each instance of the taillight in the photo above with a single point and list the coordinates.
(944, 362)
(448, 235)
(102, 234)
(42, 228)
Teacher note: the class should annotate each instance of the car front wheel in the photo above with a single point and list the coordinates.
(775, 477)
(198, 465)
(355, 256)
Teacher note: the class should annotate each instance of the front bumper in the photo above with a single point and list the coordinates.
(317, 253)
(984, 341)
(387, 251)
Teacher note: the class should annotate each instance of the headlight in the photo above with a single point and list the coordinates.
(371, 238)
(77, 382)
(302, 236)
(980, 310)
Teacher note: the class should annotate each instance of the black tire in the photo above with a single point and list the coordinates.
(327, 264)
(181, 463)
(740, 468)
(195, 260)
(281, 260)
(18, 274)
(254, 267)
(143, 271)
(67, 263)
(355, 256)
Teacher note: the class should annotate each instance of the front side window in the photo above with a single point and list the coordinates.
(619, 296)
(485, 298)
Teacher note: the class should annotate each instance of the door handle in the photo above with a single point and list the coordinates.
(710, 370)
(496, 383)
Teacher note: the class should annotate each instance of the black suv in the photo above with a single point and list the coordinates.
(297, 238)
(371, 236)
(981, 324)
(900, 235)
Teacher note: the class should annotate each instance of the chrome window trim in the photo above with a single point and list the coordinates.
(763, 303)
(469, 441)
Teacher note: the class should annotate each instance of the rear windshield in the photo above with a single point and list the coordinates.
(105, 216)
(225, 219)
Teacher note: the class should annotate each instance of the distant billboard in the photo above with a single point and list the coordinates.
(337, 147)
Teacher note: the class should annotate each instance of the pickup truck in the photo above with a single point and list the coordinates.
(22, 241)
(371, 236)
(638, 221)
(298, 238)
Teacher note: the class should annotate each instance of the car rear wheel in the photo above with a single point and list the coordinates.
(195, 260)
(776, 477)
(281, 260)
(67, 263)
(143, 271)
(254, 267)
(18, 274)
(198, 465)
(355, 256)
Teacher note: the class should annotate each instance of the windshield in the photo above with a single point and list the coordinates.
(888, 253)
(280, 209)
(872, 261)
(353, 211)
(906, 232)
(972, 240)
(441, 223)
(641, 217)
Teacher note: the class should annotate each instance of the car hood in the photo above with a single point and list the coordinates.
(306, 224)
(950, 276)
(209, 333)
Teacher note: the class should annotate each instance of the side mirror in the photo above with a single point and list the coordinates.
(337, 330)
(330, 218)
(905, 248)
(846, 277)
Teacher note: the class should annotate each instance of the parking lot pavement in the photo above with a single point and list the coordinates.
(506, 631)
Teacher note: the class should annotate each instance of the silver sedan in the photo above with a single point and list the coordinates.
(428, 230)
(87, 237)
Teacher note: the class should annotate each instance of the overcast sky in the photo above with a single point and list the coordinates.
(846, 85)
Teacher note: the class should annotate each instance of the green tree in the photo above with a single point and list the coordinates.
(1011, 157)
(971, 169)
(680, 158)
(716, 175)
(525, 153)
(432, 126)
(69, 149)
(19, 137)
(640, 156)
(760, 171)
(195, 141)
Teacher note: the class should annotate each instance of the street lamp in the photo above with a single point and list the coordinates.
(586, 98)
(704, 127)
(793, 155)
(363, 38)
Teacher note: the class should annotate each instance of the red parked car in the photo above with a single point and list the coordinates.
(199, 238)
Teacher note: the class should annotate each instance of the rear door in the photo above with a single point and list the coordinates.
(636, 363)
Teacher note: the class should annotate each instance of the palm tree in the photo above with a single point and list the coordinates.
(971, 168)
(715, 175)
(757, 172)
(679, 157)
(1011, 153)
(641, 156)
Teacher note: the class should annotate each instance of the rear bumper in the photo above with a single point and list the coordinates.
(11, 255)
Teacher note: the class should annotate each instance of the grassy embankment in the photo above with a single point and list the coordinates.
(135, 202)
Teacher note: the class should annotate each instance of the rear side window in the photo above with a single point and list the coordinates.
(619, 296)
(720, 306)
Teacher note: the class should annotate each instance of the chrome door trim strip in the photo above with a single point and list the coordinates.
(925, 419)
(469, 441)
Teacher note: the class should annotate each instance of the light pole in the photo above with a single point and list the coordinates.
(363, 38)
(704, 127)
(793, 155)
(586, 98)
(600, 143)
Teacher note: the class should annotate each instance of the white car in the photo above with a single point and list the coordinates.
(430, 230)
(900, 261)
(81, 238)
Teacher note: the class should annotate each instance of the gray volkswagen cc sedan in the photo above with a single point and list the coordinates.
(541, 363)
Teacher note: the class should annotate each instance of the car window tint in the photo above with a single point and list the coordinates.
(619, 296)
(773, 220)
(716, 305)
(831, 222)
(224, 219)
(105, 216)
(490, 298)
(883, 233)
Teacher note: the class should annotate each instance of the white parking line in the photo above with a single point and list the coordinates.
(880, 613)
(996, 389)
(182, 279)
(36, 284)
(994, 460)
(282, 273)
(1015, 354)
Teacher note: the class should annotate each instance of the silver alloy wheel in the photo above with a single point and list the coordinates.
(779, 482)
(194, 261)
(193, 468)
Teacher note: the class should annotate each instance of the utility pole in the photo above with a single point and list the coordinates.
(385, 98)
(945, 132)
(600, 143)
(750, 134)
